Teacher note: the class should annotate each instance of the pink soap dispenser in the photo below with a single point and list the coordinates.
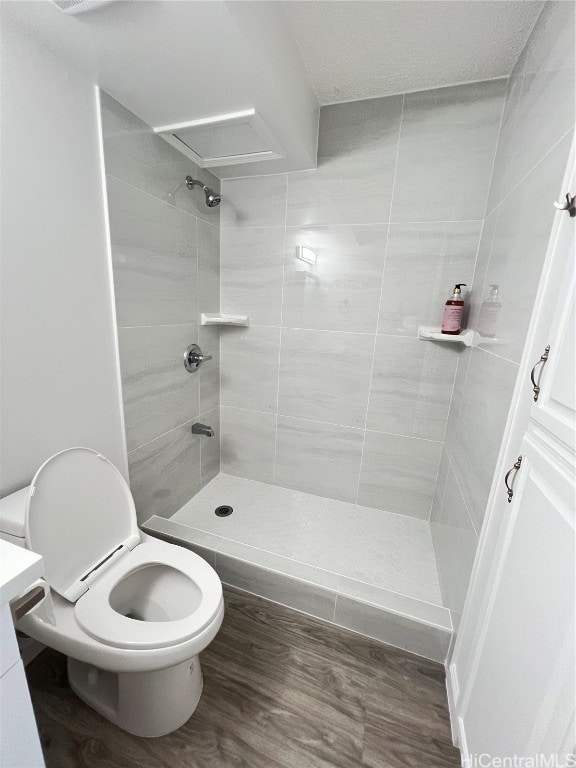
(453, 311)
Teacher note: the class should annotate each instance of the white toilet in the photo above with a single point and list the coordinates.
(131, 612)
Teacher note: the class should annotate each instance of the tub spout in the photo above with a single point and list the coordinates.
(202, 429)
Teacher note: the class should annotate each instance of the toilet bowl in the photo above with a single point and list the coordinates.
(131, 612)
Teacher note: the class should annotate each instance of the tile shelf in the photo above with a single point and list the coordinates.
(433, 333)
(218, 318)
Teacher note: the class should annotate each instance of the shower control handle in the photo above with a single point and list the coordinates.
(193, 358)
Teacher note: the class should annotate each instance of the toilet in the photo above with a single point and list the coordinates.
(130, 612)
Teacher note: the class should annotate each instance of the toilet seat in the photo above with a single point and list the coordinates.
(126, 593)
(99, 619)
(80, 516)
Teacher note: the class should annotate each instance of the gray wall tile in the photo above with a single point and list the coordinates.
(457, 395)
(411, 387)
(251, 273)
(329, 311)
(325, 376)
(443, 175)
(209, 373)
(208, 268)
(158, 392)
(154, 258)
(439, 490)
(423, 262)
(210, 447)
(247, 443)
(318, 458)
(294, 593)
(545, 107)
(507, 128)
(352, 184)
(399, 474)
(135, 154)
(258, 201)
(250, 367)
(416, 637)
(480, 289)
(165, 473)
(519, 247)
(166, 271)
(455, 544)
(342, 292)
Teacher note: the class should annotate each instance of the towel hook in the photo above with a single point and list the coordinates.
(569, 205)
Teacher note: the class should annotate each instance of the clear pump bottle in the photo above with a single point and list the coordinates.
(489, 313)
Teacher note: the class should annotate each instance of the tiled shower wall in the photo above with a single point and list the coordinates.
(165, 253)
(533, 150)
(329, 390)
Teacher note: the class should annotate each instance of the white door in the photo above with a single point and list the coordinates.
(518, 692)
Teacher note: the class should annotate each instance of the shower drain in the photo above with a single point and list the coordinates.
(223, 511)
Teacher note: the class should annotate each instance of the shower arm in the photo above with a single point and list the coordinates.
(191, 183)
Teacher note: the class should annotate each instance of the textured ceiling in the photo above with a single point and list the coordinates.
(357, 49)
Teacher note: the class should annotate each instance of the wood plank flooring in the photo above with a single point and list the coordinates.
(281, 690)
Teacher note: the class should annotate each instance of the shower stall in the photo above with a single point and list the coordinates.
(353, 451)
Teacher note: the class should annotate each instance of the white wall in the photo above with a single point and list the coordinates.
(59, 376)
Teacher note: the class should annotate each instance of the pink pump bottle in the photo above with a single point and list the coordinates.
(453, 311)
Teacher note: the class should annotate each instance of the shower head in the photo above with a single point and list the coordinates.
(212, 198)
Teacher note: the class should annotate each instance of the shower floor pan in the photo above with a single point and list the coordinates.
(370, 571)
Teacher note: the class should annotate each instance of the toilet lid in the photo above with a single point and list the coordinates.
(79, 512)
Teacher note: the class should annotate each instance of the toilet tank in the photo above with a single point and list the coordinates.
(12, 517)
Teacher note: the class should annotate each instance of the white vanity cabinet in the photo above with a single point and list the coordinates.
(19, 740)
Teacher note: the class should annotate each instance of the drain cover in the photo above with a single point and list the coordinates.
(223, 511)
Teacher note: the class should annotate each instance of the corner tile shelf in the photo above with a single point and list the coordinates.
(433, 333)
(217, 318)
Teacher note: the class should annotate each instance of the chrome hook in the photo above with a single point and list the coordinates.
(569, 205)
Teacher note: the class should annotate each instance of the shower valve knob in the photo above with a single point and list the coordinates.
(193, 358)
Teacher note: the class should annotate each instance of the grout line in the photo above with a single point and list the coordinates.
(340, 225)
(178, 426)
(154, 197)
(281, 323)
(495, 354)
(330, 424)
(496, 148)
(158, 325)
(456, 84)
(569, 132)
(445, 450)
(200, 372)
(451, 469)
(322, 330)
(381, 295)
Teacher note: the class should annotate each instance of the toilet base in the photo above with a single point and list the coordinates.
(146, 704)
